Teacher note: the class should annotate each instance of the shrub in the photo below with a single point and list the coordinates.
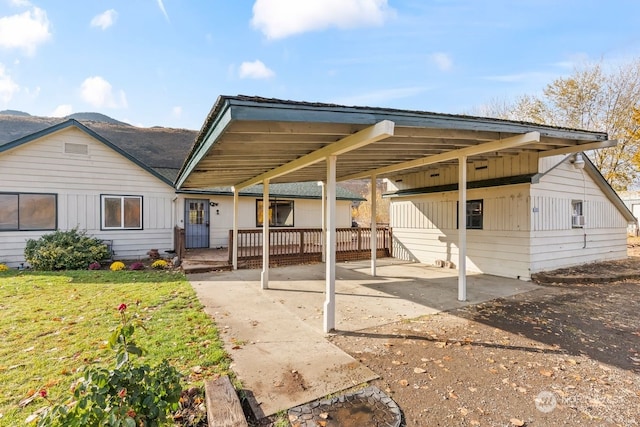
(95, 266)
(159, 264)
(127, 395)
(64, 250)
(136, 266)
(3, 267)
(116, 266)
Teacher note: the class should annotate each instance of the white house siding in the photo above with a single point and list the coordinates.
(41, 166)
(307, 214)
(554, 242)
(425, 230)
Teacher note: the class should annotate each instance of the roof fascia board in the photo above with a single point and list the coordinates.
(213, 134)
(377, 132)
(606, 188)
(300, 112)
(74, 123)
(511, 142)
(580, 148)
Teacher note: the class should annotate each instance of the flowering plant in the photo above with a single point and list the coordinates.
(136, 266)
(94, 266)
(116, 266)
(3, 267)
(159, 264)
(127, 395)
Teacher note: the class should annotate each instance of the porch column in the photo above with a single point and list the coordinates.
(374, 224)
(265, 235)
(323, 220)
(330, 264)
(462, 228)
(234, 248)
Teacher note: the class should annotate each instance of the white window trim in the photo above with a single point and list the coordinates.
(577, 220)
(103, 226)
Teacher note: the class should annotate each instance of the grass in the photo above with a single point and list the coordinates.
(55, 323)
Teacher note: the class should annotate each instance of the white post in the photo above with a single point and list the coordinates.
(330, 264)
(323, 220)
(374, 224)
(462, 228)
(265, 235)
(234, 248)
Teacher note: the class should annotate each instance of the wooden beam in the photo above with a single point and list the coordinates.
(380, 130)
(223, 405)
(580, 147)
(486, 147)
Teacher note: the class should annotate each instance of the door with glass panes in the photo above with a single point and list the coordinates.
(196, 228)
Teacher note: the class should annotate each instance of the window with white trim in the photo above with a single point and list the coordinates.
(121, 212)
(577, 214)
(28, 211)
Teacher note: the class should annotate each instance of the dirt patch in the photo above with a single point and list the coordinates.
(562, 354)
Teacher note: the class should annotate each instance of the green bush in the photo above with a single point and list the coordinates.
(64, 250)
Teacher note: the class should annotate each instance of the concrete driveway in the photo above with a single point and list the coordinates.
(275, 336)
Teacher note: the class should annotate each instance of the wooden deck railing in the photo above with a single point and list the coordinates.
(300, 245)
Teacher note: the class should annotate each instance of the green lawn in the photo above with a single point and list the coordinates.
(52, 325)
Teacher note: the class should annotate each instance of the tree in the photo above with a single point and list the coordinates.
(363, 212)
(591, 98)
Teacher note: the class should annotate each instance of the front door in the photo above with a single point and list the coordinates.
(197, 223)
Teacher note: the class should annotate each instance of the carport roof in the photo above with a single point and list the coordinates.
(245, 137)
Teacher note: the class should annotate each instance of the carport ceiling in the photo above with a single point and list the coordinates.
(244, 137)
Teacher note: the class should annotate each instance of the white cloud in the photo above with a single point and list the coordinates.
(282, 18)
(7, 86)
(20, 3)
(255, 70)
(25, 31)
(62, 110)
(176, 111)
(380, 97)
(105, 19)
(98, 92)
(162, 9)
(442, 60)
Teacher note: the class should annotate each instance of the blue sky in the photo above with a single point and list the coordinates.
(164, 62)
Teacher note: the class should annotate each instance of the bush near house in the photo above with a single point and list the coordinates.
(64, 250)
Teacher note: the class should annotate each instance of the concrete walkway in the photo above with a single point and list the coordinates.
(275, 336)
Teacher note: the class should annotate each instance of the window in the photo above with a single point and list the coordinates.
(28, 211)
(280, 213)
(121, 212)
(577, 214)
(475, 213)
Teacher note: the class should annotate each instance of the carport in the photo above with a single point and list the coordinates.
(248, 140)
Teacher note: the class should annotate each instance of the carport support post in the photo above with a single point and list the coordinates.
(323, 220)
(374, 225)
(234, 248)
(330, 264)
(462, 228)
(265, 235)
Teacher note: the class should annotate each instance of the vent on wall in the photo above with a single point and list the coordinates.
(70, 148)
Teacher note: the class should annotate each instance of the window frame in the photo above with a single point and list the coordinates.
(468, 216)
(574, 213)
(22, 193)
(271, 202)
(122, 198)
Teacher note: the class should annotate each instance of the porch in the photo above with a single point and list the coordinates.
(290, 246)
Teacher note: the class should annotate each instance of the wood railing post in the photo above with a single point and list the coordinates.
(230, 247)
(302, 242)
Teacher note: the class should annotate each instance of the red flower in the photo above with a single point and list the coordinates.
(122, 307)
(131, 413)
(122, 393)
(43, 393)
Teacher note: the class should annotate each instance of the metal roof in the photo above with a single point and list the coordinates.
(246, 137)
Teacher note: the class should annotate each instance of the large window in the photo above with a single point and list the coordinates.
(280, 213)
(474, 214)
(121, 212)
(28, 211)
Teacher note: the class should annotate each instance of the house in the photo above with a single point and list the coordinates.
(530, 199)
(116, 182)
